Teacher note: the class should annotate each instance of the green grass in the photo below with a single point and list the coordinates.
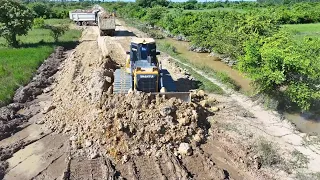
(302, 30)
(57, 21)
(17, 65)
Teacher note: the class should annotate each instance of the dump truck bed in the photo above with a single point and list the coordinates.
(107, 23)
(74, 16)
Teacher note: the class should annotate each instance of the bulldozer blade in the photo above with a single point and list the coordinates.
(184, 96)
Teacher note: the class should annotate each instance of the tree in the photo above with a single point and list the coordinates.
(154, 15)
(190, 4)
(15, 19)
(41, 9)
(281, 66)
(152, 3)
(57, 31)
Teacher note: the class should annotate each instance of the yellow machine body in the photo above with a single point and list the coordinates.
(143, 72)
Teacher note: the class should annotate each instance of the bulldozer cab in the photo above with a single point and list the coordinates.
(143, 52)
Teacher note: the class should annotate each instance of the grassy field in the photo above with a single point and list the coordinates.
(302, 30)
(17, 66)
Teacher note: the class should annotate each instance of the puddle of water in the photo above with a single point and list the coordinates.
(304, 122)
(209, 61)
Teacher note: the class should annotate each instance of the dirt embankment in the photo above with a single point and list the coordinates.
(10, 118)
(14, 117)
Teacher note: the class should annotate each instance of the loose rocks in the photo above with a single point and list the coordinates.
(165, 111)
(138, 123)
(185, 149)
(199, 49)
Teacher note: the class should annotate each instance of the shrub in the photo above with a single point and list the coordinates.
(38, 23)
(57, 31)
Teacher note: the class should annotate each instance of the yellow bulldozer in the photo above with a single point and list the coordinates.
(143, 72)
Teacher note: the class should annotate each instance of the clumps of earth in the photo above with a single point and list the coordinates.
(10, 119)
(140, 124)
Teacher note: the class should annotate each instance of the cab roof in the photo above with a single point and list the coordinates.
(143, 40)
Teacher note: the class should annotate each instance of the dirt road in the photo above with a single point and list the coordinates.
(75, 129)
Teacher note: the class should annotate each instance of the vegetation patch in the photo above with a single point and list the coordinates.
(267, 153)
(304, 176)
(299, 160)
(17, 65)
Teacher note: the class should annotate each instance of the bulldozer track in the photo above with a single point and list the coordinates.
(122, 81)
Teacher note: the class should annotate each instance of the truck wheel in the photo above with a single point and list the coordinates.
(84, 23)
(79, 23)
(112, 33)
(101, 33)
(109, 33)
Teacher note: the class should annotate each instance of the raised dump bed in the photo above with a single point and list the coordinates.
(84, 17)
(106, 23)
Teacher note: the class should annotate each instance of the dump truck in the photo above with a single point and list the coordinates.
(106, 24)
(143, 72)
(84, 17)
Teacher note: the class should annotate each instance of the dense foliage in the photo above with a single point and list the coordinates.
(15, 19)
(278, 64)
(152, 3)
(281, 66)
(56, 10)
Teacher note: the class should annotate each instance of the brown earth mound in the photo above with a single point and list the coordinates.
(138, 123)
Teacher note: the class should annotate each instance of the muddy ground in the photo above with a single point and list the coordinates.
(67, 125)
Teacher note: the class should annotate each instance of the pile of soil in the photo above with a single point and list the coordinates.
(105, 15)
(138, 123)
